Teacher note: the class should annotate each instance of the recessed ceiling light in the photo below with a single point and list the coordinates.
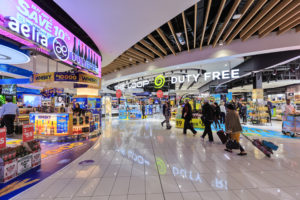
(236, 16)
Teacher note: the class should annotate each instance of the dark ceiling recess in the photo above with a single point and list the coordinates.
(62, 17)
(212, 23)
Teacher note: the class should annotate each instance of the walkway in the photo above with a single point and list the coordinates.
(138, 160)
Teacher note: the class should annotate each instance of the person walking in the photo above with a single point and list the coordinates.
(207, 119)
(143, 110)
(217, 113)
(223, 113)
(8, 114)
(187, 115)
(244, 113)
(167, 115)
(233, 127)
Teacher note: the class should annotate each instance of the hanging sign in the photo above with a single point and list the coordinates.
(28, 132)
(159, 94)
(119, 93)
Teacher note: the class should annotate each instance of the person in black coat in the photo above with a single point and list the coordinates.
(167, 115)
(187, 115)
(207, 118)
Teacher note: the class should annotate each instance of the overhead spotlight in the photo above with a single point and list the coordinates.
(274, 72)
(236, 16)
(147, 61)
(186, 71)
(164, 74)
(292, 70)
(252, 74)
(221, 43)
(298, 67)
(181, 70)
(116, 70)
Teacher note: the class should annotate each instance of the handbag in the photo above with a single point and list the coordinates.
(232, 144)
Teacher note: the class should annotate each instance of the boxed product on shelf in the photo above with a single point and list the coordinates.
(36, 158)
(8, 170)
(24, 164)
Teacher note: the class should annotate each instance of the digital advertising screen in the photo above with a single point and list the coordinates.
(32, 100)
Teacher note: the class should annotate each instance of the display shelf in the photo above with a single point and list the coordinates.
(258, 114)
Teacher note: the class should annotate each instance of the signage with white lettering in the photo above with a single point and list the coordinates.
(160, 79)
(25, 18)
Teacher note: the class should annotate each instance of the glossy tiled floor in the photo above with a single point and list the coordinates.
(140, 160)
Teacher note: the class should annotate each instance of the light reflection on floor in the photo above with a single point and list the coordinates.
(141, 160)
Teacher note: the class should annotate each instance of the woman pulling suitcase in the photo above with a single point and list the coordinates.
(234, 128)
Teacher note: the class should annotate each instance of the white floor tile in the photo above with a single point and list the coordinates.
(121, 186)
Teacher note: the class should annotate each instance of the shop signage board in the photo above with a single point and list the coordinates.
(44, 77)
(2, 138)
(160, 80)
(31, 25)
(67, 77)
(28, 132)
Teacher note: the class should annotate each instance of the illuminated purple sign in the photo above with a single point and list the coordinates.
(28, 20)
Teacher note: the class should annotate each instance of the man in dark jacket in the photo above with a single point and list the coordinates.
(207, 119)
(167, 115)
(187, 115)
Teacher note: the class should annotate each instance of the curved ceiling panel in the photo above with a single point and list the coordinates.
(117, 25)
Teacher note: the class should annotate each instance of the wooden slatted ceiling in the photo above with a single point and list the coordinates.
(141, 55)
(174, 35)
(205, 23)
(232, 10)
(216, 21)
(143, 42)
(162, 35)
(293, 23)
(253, 12)
(156, 43)
(185, 31)
(145, 51)
(263, 18)
(268, 17)
(283, 17)
(236, 21)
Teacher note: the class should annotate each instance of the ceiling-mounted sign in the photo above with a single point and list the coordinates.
(118, 93)
(27, 20)
(159, 94)
(160, 80)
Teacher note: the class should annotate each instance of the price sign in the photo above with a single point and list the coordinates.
(2, 138)
(28, 131)
(159, 93)
(119, 93)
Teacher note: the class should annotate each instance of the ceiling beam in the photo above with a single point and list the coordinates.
(287, 10)
(268, 17)
(297, 29)
(195, 24)
(125, 60)
(162, 35)
(284, 26)
(236, 21)
(205, 23)
(174, 35)
(130, 59)
(139, 54)
(145, 51)
(156, 43)
(185, 31)
(252, 13)
(135, 57)
(292, 25)
(225, 23)
(279, 21)
(143, 42)
(216, 21)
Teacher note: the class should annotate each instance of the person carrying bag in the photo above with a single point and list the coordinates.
(234, 129)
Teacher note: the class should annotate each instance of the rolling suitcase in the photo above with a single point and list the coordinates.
(223, 137)
(258, 144)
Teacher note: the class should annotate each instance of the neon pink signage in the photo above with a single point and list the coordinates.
(28, 20)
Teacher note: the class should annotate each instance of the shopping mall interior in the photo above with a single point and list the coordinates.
(150, 100)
